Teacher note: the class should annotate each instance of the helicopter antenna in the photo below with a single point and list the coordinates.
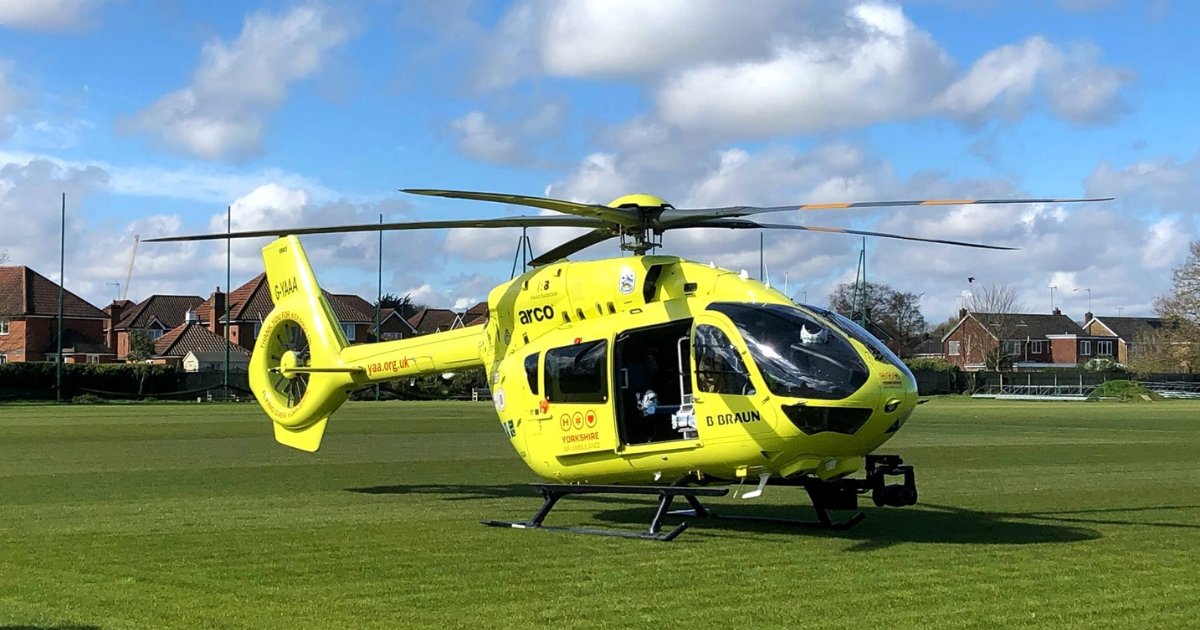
(524, 252)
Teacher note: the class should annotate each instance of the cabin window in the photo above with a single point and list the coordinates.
(955, 348)
(578, 373)
(531, 362)
(719, 367)
(1104, 348)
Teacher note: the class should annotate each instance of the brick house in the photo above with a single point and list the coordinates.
(194, 347)
(1028, 341)
(393, 325)
(435, 320)
(1127, 330)
(250, 304)
(156, 315)
(29, 321)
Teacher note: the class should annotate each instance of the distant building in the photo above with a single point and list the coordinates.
(155, 316)
(1027, 341)
(1127, 330)
(194, 347)
(29, 321)
(435, 320)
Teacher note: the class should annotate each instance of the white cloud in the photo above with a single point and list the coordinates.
(787, 68)
(238, 85)
(1003, 82)
(507, 141)
(47, 15)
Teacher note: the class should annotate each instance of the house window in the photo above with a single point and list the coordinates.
(1012, 348)
(257, 329)
(93, 358)
(1085, 348)
(1104, 348)
(154, 333)
(3, 325)
(3, 359)
(348, 329)
(955, 348)
(1037, 347)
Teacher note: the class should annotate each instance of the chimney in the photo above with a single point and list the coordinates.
(962, 312)
(191, 317)
(1057, 311)
(218, 311)
(115, 311)
(1087, 317)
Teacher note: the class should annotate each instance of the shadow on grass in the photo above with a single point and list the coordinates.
(925, 523)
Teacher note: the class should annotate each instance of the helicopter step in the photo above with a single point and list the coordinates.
(666, 495)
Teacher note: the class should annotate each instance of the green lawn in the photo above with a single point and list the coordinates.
(190, 516)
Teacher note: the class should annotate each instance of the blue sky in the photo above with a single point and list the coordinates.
(153, 117)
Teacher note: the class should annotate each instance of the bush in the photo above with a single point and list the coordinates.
(1128, 391)
(930, 364)
(86, 399)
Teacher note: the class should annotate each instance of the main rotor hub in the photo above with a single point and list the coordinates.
(644, 236)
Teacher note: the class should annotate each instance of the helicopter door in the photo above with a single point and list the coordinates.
(576, 394)
(651, 383)
(725, 398)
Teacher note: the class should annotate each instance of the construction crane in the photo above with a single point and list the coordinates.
(137, 238)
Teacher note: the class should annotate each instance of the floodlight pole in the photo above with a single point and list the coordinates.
(228, 279)
(62, 257)
(379, 294)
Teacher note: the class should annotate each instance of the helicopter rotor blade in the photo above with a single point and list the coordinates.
(672, 217)
(503, 222)
(628, 217)
(574, 245)
(746, 224)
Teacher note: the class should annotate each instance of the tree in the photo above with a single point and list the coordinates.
(1177, 344)
(141, 347)
(3, 256)
(896, 311)
(405, 306)
(995, 307)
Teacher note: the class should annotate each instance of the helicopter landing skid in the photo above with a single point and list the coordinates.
(666, 495)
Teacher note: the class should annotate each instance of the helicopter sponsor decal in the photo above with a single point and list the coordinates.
(536, 314)
(577, 420)
(737, 417)
(498, 397)
(285, 288)
(564, 422)
(590, 418)
(889, 377)
(393, 366)
(627, 281)
(510, 429)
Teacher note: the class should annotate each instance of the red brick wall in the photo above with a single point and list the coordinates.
(13, 344)
(1065, 350)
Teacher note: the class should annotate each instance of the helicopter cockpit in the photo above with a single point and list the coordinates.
(804, 352)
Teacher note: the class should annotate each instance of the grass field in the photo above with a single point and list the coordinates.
(190, 516)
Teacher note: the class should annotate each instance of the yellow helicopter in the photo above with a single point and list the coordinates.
(642, 374)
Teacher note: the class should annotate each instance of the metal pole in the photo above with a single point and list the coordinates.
(379, 294)
(228, 278)
(761, 272)
(62, 279)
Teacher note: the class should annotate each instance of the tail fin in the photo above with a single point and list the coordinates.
(296, 370)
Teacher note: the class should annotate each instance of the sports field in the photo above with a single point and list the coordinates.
(190, 516)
